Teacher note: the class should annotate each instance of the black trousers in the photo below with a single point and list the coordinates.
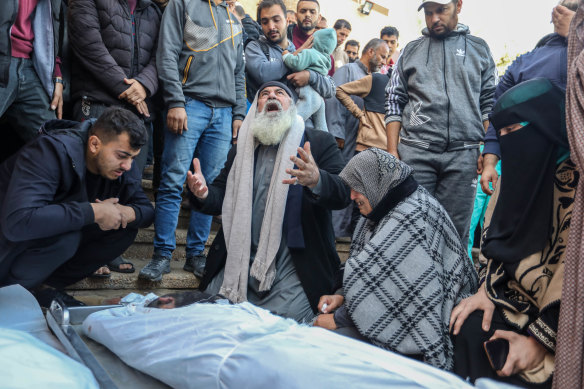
(62, 260)
(470, 359)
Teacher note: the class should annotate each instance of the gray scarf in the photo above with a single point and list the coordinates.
(237, 212)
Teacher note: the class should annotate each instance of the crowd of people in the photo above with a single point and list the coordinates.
(300, 137)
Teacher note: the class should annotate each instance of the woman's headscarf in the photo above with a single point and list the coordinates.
(521, 221)
(380, 177)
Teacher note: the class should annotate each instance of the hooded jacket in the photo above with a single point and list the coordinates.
(200, 55)
(442, 90)
(46, 46)
(43, 191)
(318, 57)
(104, 36)
(547, 61)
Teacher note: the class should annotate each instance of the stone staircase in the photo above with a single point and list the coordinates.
(140, 253)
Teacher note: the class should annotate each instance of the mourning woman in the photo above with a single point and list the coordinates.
(406, 269)
(523, 244)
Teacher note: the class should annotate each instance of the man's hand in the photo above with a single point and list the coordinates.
(525, 353)
(489, 174)
(479, 301)
(285, 52)
(236, 125)
(561, 18)
(142, 108)
(365, 122)
(480, 165)
(196, 181)
(307, 173)
(135, 93)
(332, 301)
(107, 215)
(57, 101)
(306, 45)
(299, 79)
(176, 120)
(326, 321)
(128, 214)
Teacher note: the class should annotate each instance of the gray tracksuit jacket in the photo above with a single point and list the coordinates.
(200, 55)
(442, 90)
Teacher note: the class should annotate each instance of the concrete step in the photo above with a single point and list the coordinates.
(176, 279)
(143, 248)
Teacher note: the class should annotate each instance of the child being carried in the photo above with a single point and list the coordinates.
(318, 59)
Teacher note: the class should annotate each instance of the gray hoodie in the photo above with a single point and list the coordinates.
(200, 55)
(442, 90)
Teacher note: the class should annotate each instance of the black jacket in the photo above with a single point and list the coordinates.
(103, 44)
(43, 192)
(317, 264)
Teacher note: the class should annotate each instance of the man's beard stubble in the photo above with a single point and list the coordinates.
(269, 128)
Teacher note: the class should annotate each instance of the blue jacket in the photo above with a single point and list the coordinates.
(549, 61)
(43, 192)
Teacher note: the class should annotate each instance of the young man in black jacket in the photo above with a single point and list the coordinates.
(70, 202)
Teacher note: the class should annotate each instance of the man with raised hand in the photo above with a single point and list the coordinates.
(280, 182)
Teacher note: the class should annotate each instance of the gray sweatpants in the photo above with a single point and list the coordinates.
(451, 177)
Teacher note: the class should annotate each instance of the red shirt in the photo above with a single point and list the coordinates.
(22, 34)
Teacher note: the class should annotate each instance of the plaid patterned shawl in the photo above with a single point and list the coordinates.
(404, 275)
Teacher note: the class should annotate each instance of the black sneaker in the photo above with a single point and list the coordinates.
(196, 264)
(155, 269)
(46, 295)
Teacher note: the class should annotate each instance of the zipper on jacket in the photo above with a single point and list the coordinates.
(186, 70)
(133, 21)
(447, 96)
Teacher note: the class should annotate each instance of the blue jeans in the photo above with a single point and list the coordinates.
(24, 101)
(209, 139)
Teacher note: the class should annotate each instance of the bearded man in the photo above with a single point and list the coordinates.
(276, 246)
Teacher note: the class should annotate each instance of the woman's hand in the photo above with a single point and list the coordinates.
(479, 301)
(326, 321)
(329, 303)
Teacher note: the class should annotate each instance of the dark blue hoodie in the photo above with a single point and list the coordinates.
(548, 61)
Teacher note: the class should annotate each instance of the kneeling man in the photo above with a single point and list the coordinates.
(71, 201)
(276, 192)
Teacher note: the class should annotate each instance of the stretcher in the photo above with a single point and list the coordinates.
(109, 371)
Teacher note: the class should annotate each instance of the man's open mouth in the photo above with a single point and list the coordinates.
(272, 107)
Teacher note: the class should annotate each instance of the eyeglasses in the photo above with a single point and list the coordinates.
(351, 52)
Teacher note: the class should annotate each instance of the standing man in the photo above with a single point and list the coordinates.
(439, 99)
(343, 29)
(264, 57)
(112, 66)
(200, 65)
(308, 16)
(391, 36)
(344, 126)
(31, 85)
(352, 50)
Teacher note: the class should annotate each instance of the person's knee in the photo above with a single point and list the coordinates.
(37, 263)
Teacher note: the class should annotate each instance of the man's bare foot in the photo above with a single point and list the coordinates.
(103, 271)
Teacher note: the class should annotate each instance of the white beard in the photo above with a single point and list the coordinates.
(269, 128)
